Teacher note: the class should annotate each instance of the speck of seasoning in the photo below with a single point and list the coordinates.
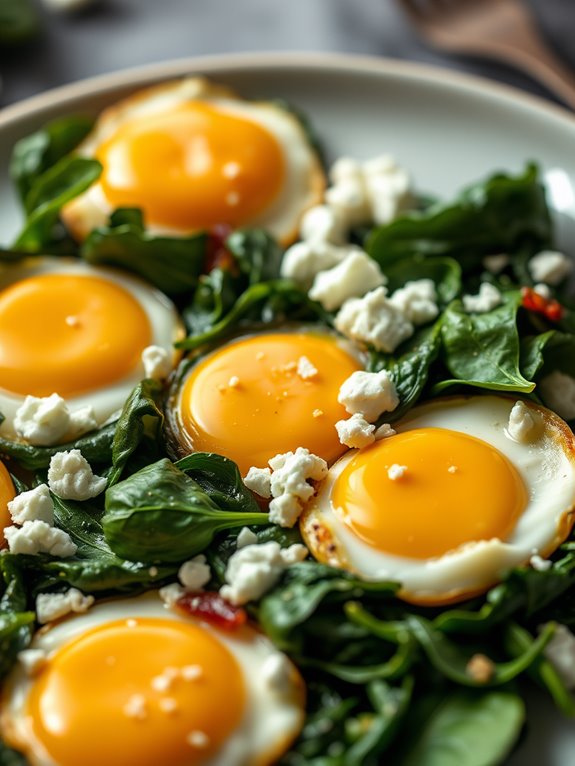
(221, 388)
(153, 571)
(72, 321)
(317, 413)
(168, 705)
(198, 739)
(234, 381)
(136, 707)
(480, 668)
(232, 199)
(452, 469)
(260, 355)
(191, 672)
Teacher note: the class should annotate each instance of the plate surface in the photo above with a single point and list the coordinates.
(447, 129)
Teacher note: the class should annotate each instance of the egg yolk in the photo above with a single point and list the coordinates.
(7, 493)
(139, 692)
(247, 401)
(191, 167)
(425, 492)
(68, 334)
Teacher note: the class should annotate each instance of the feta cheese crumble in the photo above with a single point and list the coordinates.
(368, 394)
(355, 432)
(521, 424)
(52, 606)
(259, 480)
(254, 569)
(396, 471)
(36, 504)
(35, 537)
(45, 421)
(306, 369)
(539, 564)
(496, 263)
(486, 300)
(550, 266)
(157, 362)
(290, 490)
(353, 277)
(195, 573)
(417, 301)
(560, 651)
(374, 320)
(302, 261)
(246, 537)
(70, 477)
(322, 223)
(384, 431)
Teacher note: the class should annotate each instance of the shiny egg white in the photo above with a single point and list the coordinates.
(546, 464)
(274, 708)
(302, 187)
(166, 329)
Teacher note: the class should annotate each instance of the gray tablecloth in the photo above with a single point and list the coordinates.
(115, 34)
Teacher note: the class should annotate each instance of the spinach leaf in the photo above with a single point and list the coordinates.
(161, 514)
(220, 478)
(532, 350)
(141, 418)
(173, 264)
(34, 154)
(257, 254)
(500, 214)
(18, 22)
(482, 350)
(51, 191)
(214, 296)
(16, 622)
(10, 757)
(95, 446)
(466, 729)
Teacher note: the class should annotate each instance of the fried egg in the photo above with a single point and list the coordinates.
(7, 493)
(130, 683)
(78, 331)
(192, 155)
(450, 502)
(254, 398)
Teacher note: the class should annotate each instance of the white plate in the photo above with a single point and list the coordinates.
(447, 129)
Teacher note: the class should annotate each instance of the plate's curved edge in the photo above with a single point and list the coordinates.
(294, 61)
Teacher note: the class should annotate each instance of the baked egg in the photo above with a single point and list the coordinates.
(450, 502)
(191, 155)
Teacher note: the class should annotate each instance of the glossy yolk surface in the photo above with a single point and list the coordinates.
(98, 701)
(7, 493)
(456, 489)
(192, 167)
(68, 334)
(271, 409)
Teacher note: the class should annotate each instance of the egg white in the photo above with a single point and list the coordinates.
(546, 465)
(164, 322)
(272, 718)
(304, 181)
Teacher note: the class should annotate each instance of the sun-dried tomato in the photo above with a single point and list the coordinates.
(550, 308)
(212, 608)
(217, 255)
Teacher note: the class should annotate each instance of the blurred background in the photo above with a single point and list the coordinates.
(46, 43)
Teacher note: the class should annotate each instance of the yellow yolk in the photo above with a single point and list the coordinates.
(455, 489)
(68, 334)
(139, 692)
(192, 167)
(7, 493)
(247, 401)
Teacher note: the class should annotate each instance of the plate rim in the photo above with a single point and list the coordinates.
(295, 61)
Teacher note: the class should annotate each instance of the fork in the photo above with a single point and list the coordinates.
(504, 30)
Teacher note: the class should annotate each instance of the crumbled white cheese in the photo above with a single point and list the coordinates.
(384, 431)
(550, 266)
(277, 673)
(70, 477)
(136, 707)
(558, 393)
(539, 564)
(259, 481)
(157, 362)
(52, 606)
(306, 369)
(195, 573)
(355, 432)
(353, 277)
(302, 261)
(37, 503)
(369, 394)
(487, 299)
(543, 290)
(348, 197)
(253, 570)
(290, 489)
(42, 421)
(521, 424)
(171, 593)
(322, 223)
(246, 537)
(396, 471)
(496, 263)
(345, 169)
(32, 660)
(374, 320)
(417, 301)
(35, 537)
(387, 188)
(560, 651)
(82, 421)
